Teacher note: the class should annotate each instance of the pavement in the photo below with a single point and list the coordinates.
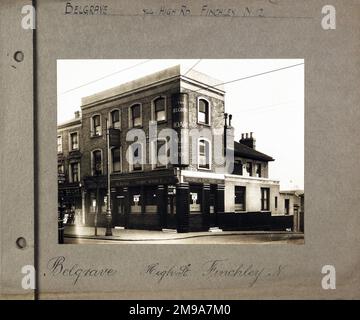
(130, 235)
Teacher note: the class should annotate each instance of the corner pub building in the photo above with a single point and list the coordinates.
(153, 196)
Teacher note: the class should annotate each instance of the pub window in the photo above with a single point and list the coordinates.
(240, 195)
(258, 170)
(161, 153)
(203, 111)
(116, 159)
(92, 202)
(159, 109)
(74, 172)
(74, 141)
(135, 115)
(115, 119)
(204, 154)
(265, 196)
(96, 125)
(97, 162)
(249, 169)
(59, 144)
(136, 157)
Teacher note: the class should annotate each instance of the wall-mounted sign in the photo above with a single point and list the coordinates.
(136, 199)
(194, 197)
(180, 121)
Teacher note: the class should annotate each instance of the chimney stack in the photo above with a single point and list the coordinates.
(248, 140)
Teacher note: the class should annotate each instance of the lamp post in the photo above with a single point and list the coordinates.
(296, 218)
(108, 205)
(61, 208)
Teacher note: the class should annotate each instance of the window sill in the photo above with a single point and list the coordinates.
(204, 169)
(204, 124)
(96, 136)
(160, 168)
(135, 171)
(161, 121)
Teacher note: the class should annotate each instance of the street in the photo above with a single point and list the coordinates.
(222, 238)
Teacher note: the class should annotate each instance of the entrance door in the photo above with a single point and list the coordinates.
(170, 212)
(119, 211)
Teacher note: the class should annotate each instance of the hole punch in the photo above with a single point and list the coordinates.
(21, 243)
(18, 56)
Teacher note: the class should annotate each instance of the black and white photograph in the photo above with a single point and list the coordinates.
(179, 155)
(192, 151)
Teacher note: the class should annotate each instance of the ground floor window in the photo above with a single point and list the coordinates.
(92, 202)
(240, 195)
(151, 198)
(265, 196)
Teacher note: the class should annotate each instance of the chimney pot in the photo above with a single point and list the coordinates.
(77, 114)
(225, 117)
(247, 135)
(230, 118)
(251, 134)
(242, 136)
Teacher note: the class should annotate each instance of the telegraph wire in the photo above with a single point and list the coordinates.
(268, 106)
(106, 76)
(214, 86)
(252, 76)
(192, 67)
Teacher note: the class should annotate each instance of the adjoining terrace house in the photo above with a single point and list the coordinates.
(192, 194)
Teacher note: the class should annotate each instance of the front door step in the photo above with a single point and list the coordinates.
(169, 230)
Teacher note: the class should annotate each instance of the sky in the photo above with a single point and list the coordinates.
(270, 105)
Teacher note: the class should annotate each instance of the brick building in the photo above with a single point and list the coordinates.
(147, 192)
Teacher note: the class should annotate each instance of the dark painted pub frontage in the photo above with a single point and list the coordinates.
(155, 201)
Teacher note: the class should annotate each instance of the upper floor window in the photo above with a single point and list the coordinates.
(74, 141)
(258, 170)
(61, 168)
(135, 115)
(97, 163)
(59, 144)
(161, 153)
(203, 111)
(238, 167)
(159, 109)
(74, 174)
(265, 197)
(287, 206)
(115, 119)
(136, 157)
(116, 159)
(96, 125)
(249, 169)
(204, 154)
